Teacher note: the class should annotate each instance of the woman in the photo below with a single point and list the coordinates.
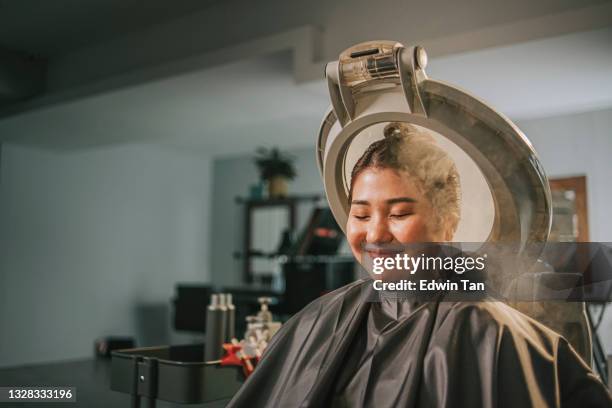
(345, 350)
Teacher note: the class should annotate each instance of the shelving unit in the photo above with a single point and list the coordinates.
(250, 205)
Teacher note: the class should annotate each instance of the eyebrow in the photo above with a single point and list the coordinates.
(389, 201)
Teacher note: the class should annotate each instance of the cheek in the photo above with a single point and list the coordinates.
(413, 229)
(355, 235)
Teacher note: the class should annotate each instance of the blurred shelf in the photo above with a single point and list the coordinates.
(255, 202)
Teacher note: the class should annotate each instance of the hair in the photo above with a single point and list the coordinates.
(411, 150)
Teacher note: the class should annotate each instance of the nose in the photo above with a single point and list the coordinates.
(378, 231)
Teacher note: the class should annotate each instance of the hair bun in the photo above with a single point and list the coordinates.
(399, 129)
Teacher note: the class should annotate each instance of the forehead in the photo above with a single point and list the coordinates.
(382, 184)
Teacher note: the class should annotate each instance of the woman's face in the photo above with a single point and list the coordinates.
(387, 207)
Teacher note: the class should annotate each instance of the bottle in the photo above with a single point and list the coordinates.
(264, 313)
(230, 327)
(223, 298)
(215, 329)
(265, 317)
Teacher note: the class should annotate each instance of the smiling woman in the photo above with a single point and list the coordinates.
(420, 187)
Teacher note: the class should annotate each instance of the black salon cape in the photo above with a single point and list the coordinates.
(344, 351)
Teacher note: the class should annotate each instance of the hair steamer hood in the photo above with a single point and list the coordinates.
(374, 83)
(383, 81)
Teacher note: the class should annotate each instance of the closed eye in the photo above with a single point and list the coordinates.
(361, 217)
(401, 215)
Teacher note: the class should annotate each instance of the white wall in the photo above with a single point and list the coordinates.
(92, 243)
(579, 144)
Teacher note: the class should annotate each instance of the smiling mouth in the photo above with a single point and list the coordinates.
(381, 254)
(384, 252)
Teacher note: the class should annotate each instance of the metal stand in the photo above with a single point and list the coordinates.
(172, 373)
(144, 382)
(600, 360)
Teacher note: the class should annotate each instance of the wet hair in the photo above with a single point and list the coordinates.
(411, 150)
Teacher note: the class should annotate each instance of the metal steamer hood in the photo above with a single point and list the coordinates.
(384, 81)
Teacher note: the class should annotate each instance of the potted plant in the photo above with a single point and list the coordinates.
(275, 168)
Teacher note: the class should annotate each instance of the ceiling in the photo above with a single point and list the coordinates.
(234, 108)
(47, 28)
(559, 75)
